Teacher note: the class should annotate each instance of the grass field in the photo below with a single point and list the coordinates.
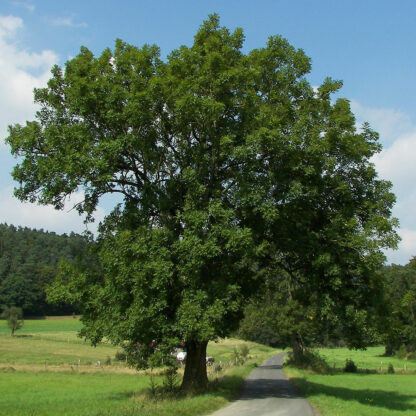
(359, 394)
(51, 324)
(47, 370)
(372, 358)
(50, 341)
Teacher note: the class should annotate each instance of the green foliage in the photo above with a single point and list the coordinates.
(14, 318)
(350, 366)
(276, 319)
(398, 322)
(232, 170)
(28, 263)
(405, 352)
(170, 379)
(218, 368)
(244, 351)
(309, 360)
(390, 368)
(120, 356)
(237, 359)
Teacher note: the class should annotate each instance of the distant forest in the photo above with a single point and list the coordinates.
(28, 263)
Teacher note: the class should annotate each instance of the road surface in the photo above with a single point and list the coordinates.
(267, 392)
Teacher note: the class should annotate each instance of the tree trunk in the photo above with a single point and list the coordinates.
(195, 377)
(298, 347)
(388, 352)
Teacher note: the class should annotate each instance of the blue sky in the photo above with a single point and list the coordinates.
(367, 44)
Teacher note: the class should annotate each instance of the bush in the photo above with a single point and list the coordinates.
(170, 379)
(390, 369)
(217, 368)
(405, 352)
(236, 356)
(14, 318)
(120, 356)
(244, 350)
(108, 360)
(350, 366)
(309, 360)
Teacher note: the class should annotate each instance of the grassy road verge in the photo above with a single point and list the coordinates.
(359, 394)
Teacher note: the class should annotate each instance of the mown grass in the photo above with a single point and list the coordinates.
(49, 324)
(50, 341)
(358, 394)
(372, 358)
(40, 375)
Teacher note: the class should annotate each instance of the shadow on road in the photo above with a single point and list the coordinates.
(267, 388)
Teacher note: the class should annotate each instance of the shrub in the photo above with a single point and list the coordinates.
(236, 356)
(405, 352)
(309, 360)
(170, 379)
(244, 350)
(14, 318)
(390, 369)
(108, 360)
(350, 366)
(217, 368)
(152, 386)
(120, 356)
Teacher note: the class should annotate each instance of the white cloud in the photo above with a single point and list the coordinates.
(389, 123)
(20, 72)
(398, 164)
(407, 247)
(28, 6)
(67, 22)
(30, 215)
(9, 25)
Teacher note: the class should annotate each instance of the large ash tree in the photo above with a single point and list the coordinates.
(229, 165)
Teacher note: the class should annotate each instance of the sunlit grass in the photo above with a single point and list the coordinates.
(50, 324)
(372, 358)
(346, 394)
(47, 370)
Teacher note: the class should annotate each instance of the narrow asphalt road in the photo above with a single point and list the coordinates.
(267, 392)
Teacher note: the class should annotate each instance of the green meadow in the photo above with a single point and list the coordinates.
(375, 393)
(372, 358)
(47, 370)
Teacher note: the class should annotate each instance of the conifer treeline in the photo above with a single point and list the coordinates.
(28, 263)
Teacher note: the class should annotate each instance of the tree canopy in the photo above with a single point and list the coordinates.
(399, 327)
(230, 166)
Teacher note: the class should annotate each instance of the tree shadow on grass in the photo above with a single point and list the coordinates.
(122, 395)
(228, 386)
(377, 398)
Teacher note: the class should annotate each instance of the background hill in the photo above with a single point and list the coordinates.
(28, 262)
